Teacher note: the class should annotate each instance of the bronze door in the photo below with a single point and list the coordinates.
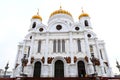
(81, 69)
(59, 68)
(37, 69)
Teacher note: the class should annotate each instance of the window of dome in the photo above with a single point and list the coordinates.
(77, 28)
(34, 25)
(41, 29)
(30, 37)
(89, 35)
(86, 23)
(58, 27)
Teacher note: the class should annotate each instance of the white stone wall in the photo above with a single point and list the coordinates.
(70, 35)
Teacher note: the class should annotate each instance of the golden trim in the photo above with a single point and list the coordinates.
(60, 11)
(37, 17)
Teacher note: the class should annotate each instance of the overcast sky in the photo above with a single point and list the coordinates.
(15, 16)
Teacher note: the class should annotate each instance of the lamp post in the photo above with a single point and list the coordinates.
(6, 67)
(93, 59)
(118, 65)
(23, 61)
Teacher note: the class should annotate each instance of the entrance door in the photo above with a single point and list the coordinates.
(59, 68)
(37, 69)
(81, 69)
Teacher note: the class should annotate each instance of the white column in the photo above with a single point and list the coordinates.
(109, 68)
(87, 47)
(46, 48)
(31, 48)
(24, 45)
(71, 47)
(101, 62)
(87, 51)
(106, 55)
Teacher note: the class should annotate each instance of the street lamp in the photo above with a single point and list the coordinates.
(93, 60)
(23, 61)
(6, 67)
(118, 65)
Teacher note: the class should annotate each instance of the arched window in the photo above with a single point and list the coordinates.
(101, 54)
(28, 51)
(54, 46)
(34, 25)
(63, 45)
(79, 45)
(39, 46)
(86, 23)
(59, 45)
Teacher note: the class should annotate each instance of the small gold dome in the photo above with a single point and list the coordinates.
(37, 17)
(60, 11)
(83, 15)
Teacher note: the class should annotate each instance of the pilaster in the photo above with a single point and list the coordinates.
(31, 48)
(87, 51)
(101, 61)
(46, 48)
(71, 47)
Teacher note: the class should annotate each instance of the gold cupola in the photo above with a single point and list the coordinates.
(37, 16)
(60, 11)
(83, 14)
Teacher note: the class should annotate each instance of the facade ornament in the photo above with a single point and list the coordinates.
(43, 59)
(68, 59)
(86, 58)
(49, 60)
(75, 59)
(32, 60)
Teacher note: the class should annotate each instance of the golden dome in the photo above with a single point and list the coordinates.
(83, 15)
(60, 11)
(37, 17)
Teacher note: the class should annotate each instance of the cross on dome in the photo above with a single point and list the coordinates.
(37, 16)
(60, 11)
(83, 14)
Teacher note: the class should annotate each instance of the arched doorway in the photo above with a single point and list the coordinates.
(81, 69)
(37, 69)
(59, 69)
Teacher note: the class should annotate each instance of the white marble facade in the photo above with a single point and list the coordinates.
(62, 48)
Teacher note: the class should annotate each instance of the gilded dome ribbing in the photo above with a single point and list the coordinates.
(83, 15)
(37, 17)
(60, 11)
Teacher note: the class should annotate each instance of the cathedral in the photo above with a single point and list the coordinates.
(62, 48)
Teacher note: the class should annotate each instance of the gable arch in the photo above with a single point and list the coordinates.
(52, 27)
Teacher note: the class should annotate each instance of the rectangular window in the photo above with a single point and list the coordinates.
(39, 46)
(79, 45)
(63, 45)
(54, 46)
(91, 48)
(28, 51)
(59, 46)
(101, 54)
(104, 69)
